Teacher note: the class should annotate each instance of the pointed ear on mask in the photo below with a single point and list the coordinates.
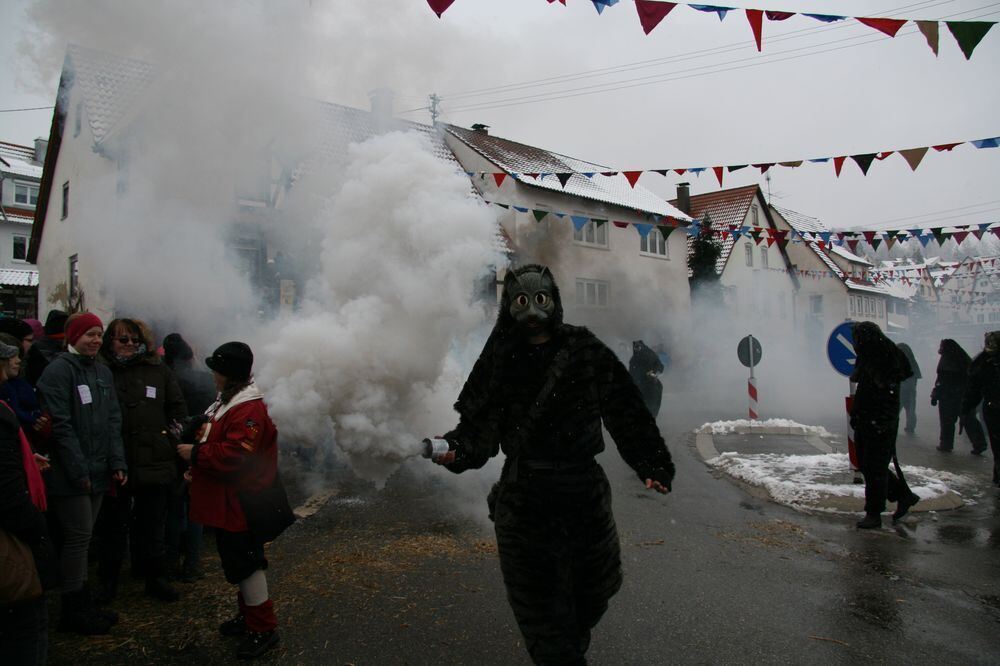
(547, 272)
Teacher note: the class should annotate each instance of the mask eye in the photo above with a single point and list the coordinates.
(521, 300)
(541, 299)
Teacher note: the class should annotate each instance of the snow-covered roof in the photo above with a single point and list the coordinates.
(110, 85)
(725, 209)
(840, 251)
(19, 160)
(804, 223)
(18, 278)
(519, 159)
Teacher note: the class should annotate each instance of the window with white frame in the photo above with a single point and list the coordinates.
(20, 248)
(748, 253)
(763, 257)
(753, 215)
(25, 194)
(593, 293)
(65, 200)
(655, 244)
(593, 234)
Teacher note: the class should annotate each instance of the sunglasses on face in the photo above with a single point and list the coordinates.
(125, 339)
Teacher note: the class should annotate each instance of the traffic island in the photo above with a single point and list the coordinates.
(797, 466)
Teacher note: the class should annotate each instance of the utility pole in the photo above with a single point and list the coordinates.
(434, 100)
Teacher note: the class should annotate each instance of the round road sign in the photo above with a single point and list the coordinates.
(749, 345)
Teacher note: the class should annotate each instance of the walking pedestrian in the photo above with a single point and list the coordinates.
(908, 390)
(87, 454)
(984, 387)
(952, 377)
(645, 367)
(235, 461)
(539, 392)
(135, 516)
(879, 369)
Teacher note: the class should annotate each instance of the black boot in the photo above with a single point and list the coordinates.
(256, 643)
(871, 521)
(107, 587)
(75, 616)
(91, 606)
(903, 506)
(237, 626)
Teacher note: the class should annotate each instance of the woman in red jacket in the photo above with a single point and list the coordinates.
(236, 456)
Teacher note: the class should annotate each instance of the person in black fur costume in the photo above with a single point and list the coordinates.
(879, 369)
(539, 392)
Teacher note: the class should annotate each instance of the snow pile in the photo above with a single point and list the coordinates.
(746, 425)
(800, 481)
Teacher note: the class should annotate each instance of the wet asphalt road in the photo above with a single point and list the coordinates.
(713, 574)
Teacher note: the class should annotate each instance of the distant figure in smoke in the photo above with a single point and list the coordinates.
(539, 392)
(46, 348)
(984, 386)
(879, 369)
(952, 377)
(645, 367)
(234, 461)
(908, 390)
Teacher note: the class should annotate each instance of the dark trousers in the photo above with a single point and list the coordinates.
(183, 536)
(991, 415)
(875, 451)
(24, 633)
(560, 559)
(908, 402)
(949, 412)
(134, 520)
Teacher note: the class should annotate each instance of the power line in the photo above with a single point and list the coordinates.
(33, 108)
(672, 76)
(734, 46)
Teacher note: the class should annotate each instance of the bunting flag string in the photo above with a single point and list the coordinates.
(968, 34)
(770, 236)
(864, 161)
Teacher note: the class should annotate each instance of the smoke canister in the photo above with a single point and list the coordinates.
(435, 447)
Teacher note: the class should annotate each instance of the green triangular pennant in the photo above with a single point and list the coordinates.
(539, 214)
(968, 34)
(598, 223)
(939, 235)
(666, 231)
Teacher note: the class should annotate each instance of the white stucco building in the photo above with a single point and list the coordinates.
(20, 182)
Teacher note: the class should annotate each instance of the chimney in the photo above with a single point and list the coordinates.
(41, 147)
(481, 128)
(381, 100)
(684, 197)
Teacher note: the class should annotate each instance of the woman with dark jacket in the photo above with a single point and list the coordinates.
(952, 377)
(20, 396)
(236, 455)
(984, 386)
(908, 390)
(151, 402)
(87, 453)
(879, 369)
(23, 625)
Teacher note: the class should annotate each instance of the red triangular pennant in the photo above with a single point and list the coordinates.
(632, 177)
(960, 236)
(718, 174)
(651, 13)
(680, 172)
(439, 6)
(778, 16)
(838, 164)
(884, 25)
(756, 18)
(498, 177)
(946, 146)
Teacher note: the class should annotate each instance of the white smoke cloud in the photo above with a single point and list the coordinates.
(365, 360)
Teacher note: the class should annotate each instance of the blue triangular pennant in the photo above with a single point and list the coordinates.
(820, 159)
(643, 229)
(600, 5)
(697, 170)
(712, 9)
(579, 221)
(826, 18)
(519, 209)
(987, 143)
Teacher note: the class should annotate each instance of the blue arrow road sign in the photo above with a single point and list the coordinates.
(840, 349)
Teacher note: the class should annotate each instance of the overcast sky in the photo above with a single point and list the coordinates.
(693, 93)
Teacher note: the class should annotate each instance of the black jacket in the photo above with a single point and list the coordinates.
(39, 355)
(984, 383)
(879, 369)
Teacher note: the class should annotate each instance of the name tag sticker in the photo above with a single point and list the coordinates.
(151, 392)
(85, 397)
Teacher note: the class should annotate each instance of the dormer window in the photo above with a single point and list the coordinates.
(26, 194)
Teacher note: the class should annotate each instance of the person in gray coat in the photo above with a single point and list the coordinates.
(87, 453)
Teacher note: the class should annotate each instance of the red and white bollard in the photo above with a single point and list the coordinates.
(752, 393)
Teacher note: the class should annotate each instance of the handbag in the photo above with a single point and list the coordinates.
(267, 511)
(18, 575)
